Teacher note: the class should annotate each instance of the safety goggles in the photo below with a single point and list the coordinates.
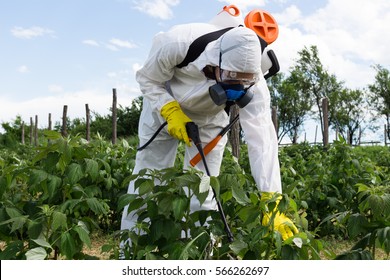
(232, 77)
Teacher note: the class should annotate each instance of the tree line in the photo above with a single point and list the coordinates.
(298, 96)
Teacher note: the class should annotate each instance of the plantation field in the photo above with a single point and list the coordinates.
(64, 199)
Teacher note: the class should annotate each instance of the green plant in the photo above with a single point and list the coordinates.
(166, 229)
(371, 224)
(50, 203)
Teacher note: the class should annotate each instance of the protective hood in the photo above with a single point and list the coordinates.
(240, 51)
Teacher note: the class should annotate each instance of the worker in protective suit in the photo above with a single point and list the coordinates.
(181, 95)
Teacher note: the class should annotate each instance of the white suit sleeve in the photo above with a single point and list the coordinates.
(260, 135)
(165, 54)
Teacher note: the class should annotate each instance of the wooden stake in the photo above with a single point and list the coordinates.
(114, 116)
(31, 130)
(23, 133)
(326, 121)
(49, 120)
(36, 131)
(87, 124)
(64, 133)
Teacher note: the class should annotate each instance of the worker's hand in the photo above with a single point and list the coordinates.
(281, 222)
(176, 120)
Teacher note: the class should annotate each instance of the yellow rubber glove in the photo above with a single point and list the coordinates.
(281, 222)
(176, 120)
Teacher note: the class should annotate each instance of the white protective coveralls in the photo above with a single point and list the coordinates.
(161, 82)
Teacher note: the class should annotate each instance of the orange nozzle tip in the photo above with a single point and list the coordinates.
(232, 10)
(264, 24)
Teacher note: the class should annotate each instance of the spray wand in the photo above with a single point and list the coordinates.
(193, 134)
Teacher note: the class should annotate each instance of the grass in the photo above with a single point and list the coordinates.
(338, 247)
(335, 246)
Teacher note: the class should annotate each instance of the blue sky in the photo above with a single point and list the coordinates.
(73, 52)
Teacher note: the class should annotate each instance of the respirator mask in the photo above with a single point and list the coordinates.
(233, 86)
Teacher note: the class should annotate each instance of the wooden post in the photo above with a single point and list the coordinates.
(64, 133)
(386, 135)
(87, 123)
(49, 122)
(326, 121)
(234, 135)
(315, 135)
(36, 131)
(114, 114)
(23, 133)
(275, 119)
(31, 130)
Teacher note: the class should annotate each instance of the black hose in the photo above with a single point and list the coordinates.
(152, 138)
(193, 133)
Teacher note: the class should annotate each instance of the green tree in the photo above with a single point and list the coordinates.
(13, 132)
(380, 94)
(348, 117)
(293, 104)
(128, 118)
(127, 122)
(314, 80)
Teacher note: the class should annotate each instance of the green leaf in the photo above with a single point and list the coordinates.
(43, 243)
(186, 251)
(38, 253)
(37, 176)
(69, 204)
(66, 155)
(240, 195)
(383, 236)
(59, 220)
(187, 179)
(53, 185)
(68, 246)
(356, 225)
(52, 134)
(156, 229)
(17, 219)
(179, 206)
(13, 212)
(249, 214)
(146, 186)
(165, 205)
(96, 206)
(125, 199)
(34, 229)
(84, 235)
(214, 183)
(238, 246)
(74, 173)
(92, 168)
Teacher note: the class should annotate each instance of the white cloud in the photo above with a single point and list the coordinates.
(23, 69)
(91, 43)
(29, 33)
(122, 44)
(349, 34)
(136, 67)
(55, 88)
(156, 8)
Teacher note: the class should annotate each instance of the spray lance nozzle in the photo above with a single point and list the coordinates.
(193, 134)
